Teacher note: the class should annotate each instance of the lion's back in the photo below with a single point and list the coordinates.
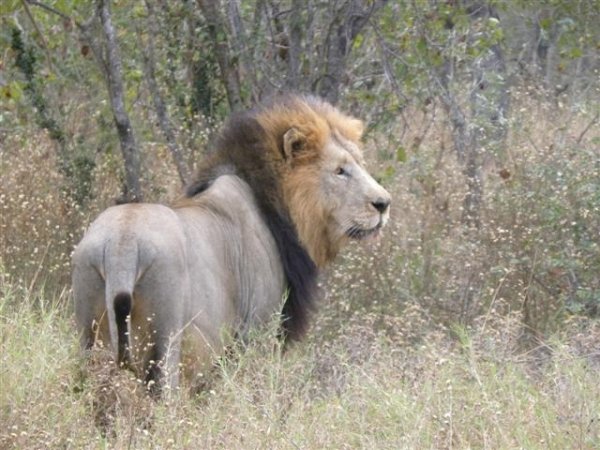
(232, 249)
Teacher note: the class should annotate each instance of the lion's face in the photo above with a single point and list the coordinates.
(357, 205)
(334, 191)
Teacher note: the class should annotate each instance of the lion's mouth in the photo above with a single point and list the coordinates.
(359, 233)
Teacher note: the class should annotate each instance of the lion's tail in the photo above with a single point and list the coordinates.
(120, 267)
(122, 304)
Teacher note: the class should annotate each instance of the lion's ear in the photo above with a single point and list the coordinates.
(359, 126)
(293, 143)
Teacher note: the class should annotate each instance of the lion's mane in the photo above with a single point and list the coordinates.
(251, 147)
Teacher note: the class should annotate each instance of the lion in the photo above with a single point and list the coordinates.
(284, 189)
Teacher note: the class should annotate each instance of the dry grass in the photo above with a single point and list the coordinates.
(466, 388)
(434, 337)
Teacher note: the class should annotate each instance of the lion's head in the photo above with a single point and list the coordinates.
(329, 194)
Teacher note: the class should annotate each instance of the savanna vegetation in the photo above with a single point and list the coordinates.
(472, 323)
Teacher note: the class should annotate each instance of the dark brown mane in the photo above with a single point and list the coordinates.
(244, 148)
(239, 149)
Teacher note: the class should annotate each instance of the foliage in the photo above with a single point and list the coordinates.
(25, 60)
(537, 183)
(76, 167)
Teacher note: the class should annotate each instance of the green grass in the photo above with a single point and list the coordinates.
(470, 389)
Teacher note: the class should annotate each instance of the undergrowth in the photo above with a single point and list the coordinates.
(435, 336)
(470, 387)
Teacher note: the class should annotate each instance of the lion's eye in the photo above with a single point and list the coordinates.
(341, 172)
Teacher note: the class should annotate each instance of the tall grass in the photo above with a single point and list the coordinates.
(435, 336)
(363, 389)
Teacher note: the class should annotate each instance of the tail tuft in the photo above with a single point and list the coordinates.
(122, 306)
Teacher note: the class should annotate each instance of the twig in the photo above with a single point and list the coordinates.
(83, 28)
(533, 144)
(545, 288)
(496, 292)
(48, 8)
(158, 101)
(39, 268)
(42, 38)
(587, 128)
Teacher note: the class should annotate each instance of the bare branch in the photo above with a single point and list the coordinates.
(84, 28)
(295, 44)
(49, 9)
(129, 148)
(587, 128)
(346, 24)
(389, 72)
(217, 30)
(40, 34)
(240, 46)
(157, 98)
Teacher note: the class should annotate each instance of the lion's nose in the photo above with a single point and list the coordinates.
(381, 204)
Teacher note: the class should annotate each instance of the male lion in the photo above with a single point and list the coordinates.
(283, 191)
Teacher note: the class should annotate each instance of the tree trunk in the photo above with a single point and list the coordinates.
(217, 30)
(346, 24)
(241, 47)
(489, 110)
(157, 99)
(295, 45)
(132, 191)
(483, 134)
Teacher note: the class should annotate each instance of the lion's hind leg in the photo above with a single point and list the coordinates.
(90, 310)
(161, 352)
(162, 364)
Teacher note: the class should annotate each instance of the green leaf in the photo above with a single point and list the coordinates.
(358, 40)
(422, 45)
(575, 53)
(139, 11)
(15, 90)
(9, 6)
(401, 154)
(546, 23)
(136, 75)
(386, 175)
